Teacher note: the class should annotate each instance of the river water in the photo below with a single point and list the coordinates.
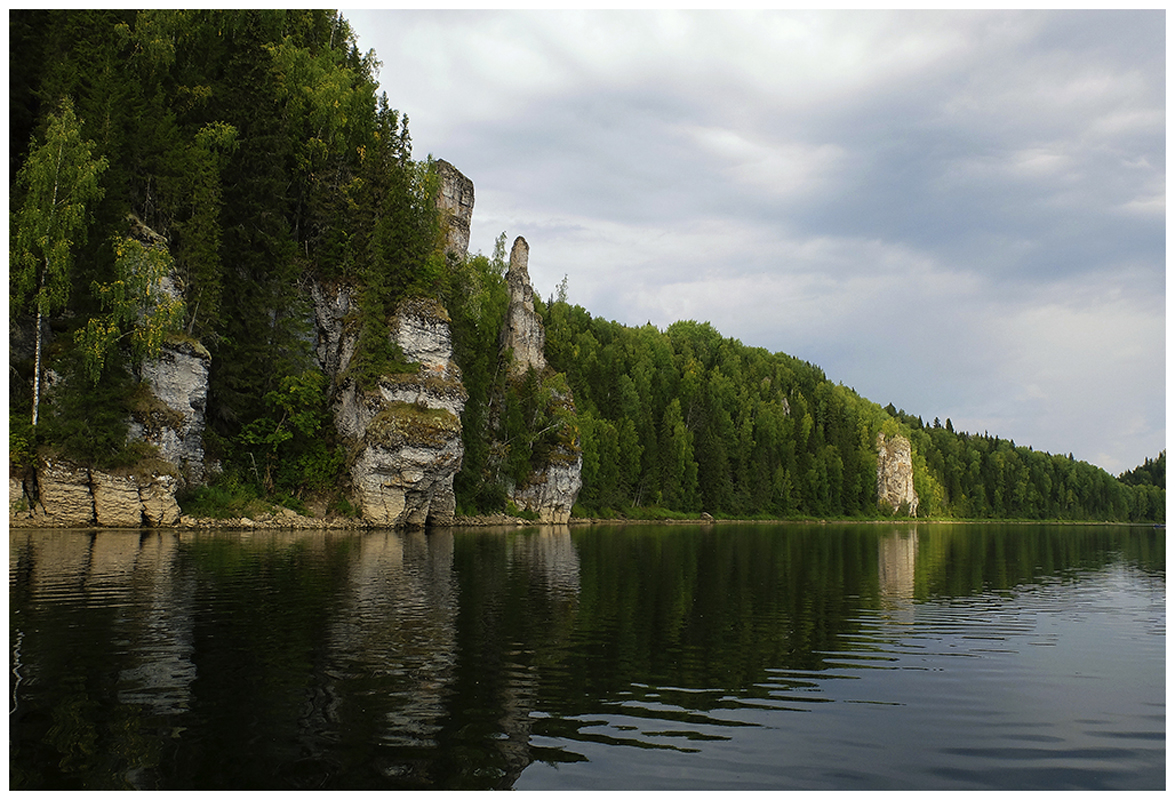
(643, 657)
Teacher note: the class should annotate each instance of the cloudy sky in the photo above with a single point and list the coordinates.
(960, 213)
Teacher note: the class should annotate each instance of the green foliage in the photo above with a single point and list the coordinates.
(974, 476)
(59, 181)
(476, 297)
(521, 513)
(1152, 472)
(225, 499)
(87, 422)
(291, 440)
(376, 354)
(20, 441)
(139, 307)
(690, 421)
(199, 234)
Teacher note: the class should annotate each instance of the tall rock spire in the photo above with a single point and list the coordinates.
(522, 331)
(455, 200)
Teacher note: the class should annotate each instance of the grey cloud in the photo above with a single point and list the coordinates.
(922, 203)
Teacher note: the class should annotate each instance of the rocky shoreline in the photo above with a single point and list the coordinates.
(284, 519)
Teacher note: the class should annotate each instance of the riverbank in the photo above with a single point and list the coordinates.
(281, 518)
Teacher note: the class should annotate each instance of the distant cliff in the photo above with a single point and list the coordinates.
(895, 475)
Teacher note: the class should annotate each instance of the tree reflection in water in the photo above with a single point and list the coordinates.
(457, 659)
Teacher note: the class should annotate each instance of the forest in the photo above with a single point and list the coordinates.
(256, 144)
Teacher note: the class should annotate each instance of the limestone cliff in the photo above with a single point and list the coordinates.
(172, 417)
(167, 411)
(404, 435)
(455, 201)
(895, 474)
(334, 308)
(551, 491)
(69, 495)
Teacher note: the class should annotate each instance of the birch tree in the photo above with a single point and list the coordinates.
(143, 307)
(60, 178)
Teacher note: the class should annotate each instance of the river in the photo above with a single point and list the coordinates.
(805, 656)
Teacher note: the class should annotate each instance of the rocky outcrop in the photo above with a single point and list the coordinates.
(895, 475)
(172, 416)
(455, 200)
(551, 491)
(403, 474)
(522, 332)
(69, 495)
(116, 500)
(64, 498)
(334, 308)
(157, 494)
(167, 411)
(170, 413)
(551, 488)
(405, 434)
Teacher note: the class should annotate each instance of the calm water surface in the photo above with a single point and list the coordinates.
(647, 657)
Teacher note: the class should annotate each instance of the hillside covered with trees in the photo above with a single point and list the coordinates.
(255, 145)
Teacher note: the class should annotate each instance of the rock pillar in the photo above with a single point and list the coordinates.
(895, 474)
(522, 331)
(455, 201)
(406, 431)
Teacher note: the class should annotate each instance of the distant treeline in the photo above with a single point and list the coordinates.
(690, 421)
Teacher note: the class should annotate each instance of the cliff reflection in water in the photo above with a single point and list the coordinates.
(458, 659)
(897, 553)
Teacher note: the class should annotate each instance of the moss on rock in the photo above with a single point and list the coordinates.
(399, 424)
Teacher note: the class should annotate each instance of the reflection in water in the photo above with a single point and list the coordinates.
(159, 672)
(897, 553)
(548, 555)
(680, 657)
(393, 639)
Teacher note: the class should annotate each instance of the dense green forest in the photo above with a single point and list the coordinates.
(691, 421)
(254, 141)
(256, 144)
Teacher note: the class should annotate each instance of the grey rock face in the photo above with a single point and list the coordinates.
(178, 378)
(408, 483)
(64, 499)
(456, 203)
(522, 331)
(406, 432)
(73, 496)
(157, 495)
(335, 344)
(422, 329)
(895, 474)
(116, 500)
(551, 492)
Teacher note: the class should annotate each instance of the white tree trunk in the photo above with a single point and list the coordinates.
(37, 370)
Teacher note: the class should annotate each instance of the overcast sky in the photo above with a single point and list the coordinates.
(959, 213)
